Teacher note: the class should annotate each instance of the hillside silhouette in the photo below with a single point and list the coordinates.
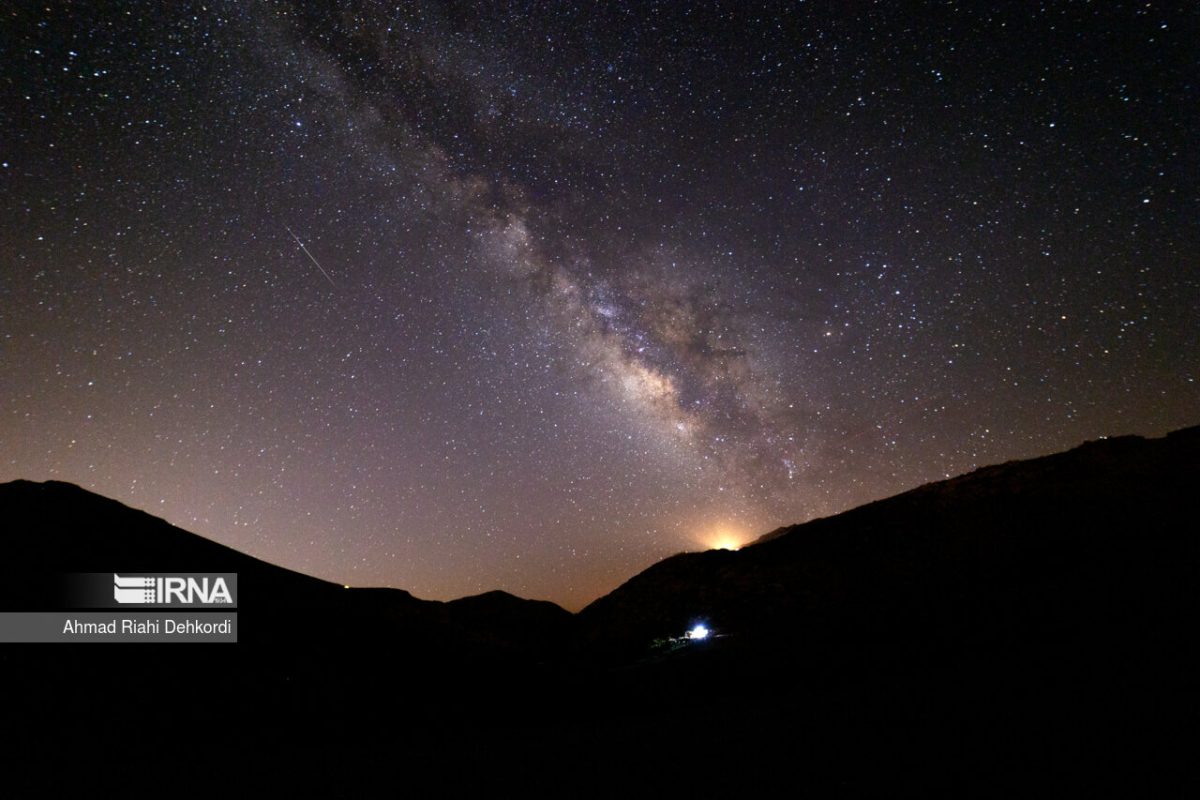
(1027, 624)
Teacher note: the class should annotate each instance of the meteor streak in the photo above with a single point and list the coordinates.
(310, 257)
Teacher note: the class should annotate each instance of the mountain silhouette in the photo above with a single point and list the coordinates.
(1092, 538)
(61, 528)
(1027, 624)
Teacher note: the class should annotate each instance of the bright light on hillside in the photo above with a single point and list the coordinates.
(698, 633)
(725, 542)
(720, 534)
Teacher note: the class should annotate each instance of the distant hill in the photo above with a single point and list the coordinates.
(56, 527)
(1100, 537)
(1028, 625)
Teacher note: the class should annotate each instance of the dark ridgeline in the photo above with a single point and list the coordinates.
(1026, 626)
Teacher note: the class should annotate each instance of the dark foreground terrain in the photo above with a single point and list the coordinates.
(1027, 629)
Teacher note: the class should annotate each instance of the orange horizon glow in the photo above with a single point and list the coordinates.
(724, 538)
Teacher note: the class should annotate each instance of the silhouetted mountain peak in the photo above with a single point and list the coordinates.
(57, 527)
(1036, 605)
(930, 552)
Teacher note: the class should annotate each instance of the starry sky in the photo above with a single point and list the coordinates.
(454, 297)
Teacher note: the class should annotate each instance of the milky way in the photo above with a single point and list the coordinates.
(455, 297)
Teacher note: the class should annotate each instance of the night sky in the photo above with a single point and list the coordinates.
(530, 295)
